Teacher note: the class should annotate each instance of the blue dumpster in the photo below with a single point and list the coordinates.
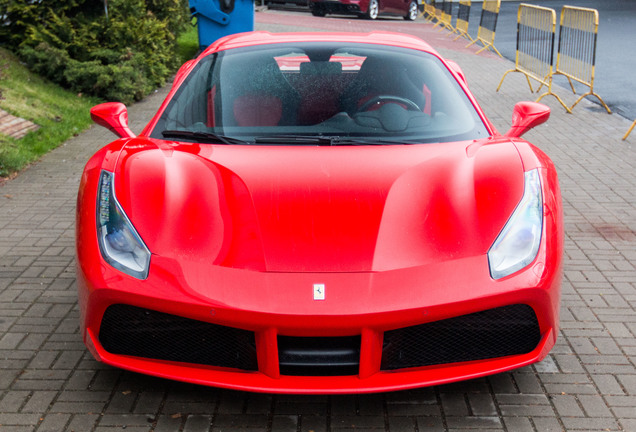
(218, 18)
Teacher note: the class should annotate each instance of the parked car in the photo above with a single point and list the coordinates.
(303, 3)
(319, 213)
(370, 9)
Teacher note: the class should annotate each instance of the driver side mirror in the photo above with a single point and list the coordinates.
(525, 116)
(114, 117)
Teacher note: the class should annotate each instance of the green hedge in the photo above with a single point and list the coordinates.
(121, 56)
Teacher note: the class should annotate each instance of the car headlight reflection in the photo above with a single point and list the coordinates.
(119, 243)
(518, 243)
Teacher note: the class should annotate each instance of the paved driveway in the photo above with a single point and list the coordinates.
(48, 381)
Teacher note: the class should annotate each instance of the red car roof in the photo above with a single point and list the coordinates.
(263, 37)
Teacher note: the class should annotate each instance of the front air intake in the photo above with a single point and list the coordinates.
(319, 356)
(500, 332)
(133, 331)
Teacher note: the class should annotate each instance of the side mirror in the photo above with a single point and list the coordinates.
(114, 117)
(525, 116)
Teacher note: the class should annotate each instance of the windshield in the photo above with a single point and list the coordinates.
(320, 93)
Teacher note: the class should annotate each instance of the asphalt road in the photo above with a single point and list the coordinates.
(616, 46)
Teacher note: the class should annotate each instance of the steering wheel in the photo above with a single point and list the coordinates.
(410, 105)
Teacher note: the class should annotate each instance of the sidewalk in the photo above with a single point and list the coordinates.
(49, 382)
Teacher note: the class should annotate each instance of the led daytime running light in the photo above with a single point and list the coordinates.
(119, 243)
(518, 243)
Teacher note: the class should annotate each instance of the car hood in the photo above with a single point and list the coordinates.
(319, 209)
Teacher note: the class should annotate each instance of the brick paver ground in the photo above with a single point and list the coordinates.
(13, 126)
(49, 382)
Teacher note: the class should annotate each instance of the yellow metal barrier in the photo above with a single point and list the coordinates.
(463, 16)
(447, 16)
(429, 10)
(536, 27)
(488, 25)
(576, 55)
(630, 130)
(439, 11)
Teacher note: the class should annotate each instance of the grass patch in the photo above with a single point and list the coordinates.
(188, 44)
(60, 114)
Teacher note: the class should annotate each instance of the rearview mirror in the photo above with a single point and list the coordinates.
(525, 116)
(114, 117)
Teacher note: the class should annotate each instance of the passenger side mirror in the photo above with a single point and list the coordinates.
(525, 116)
(114, 117)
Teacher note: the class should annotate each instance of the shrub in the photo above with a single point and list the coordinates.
(122, 81)
(46, 61)
(121, 57)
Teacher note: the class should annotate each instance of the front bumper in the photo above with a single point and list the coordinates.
(363, 314)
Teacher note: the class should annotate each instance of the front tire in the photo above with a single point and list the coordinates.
(373, 10)
(412, 12)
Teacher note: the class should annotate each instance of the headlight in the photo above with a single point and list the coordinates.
(518, 243)
(119, 243)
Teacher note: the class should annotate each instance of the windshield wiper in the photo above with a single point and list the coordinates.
(295, 139)
(202, 137)
(321, 140)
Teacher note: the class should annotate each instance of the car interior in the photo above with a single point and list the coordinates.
(355, 90)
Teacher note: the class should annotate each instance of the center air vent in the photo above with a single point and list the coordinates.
(319, 356)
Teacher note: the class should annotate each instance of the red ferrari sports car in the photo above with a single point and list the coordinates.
(319, 213)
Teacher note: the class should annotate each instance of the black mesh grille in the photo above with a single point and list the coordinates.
(133, 331)
(504, 331)
(319, 356)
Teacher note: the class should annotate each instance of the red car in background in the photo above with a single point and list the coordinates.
(319, 213)
(370, 9)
